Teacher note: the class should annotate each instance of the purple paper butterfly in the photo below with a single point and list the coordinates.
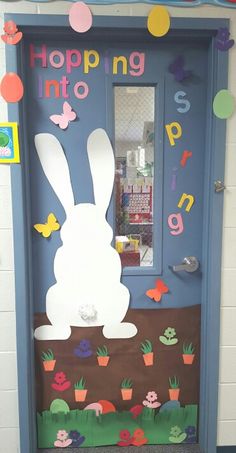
(177, 68)
(222, 41)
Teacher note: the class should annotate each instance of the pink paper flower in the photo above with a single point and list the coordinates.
(10, 27)
(62, 435)
(151, 396)
(63, 443)
(59, 378)
(151, 401)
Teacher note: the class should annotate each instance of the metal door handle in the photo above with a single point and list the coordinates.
(189, 264)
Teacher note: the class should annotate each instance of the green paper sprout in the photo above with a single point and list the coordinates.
(146, 347)
(126, 383)
(80, 385)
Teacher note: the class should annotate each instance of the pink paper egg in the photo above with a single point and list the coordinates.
(80, 17)
(12, 88)
(94, 407)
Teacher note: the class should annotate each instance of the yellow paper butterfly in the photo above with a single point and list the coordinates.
(47, 228)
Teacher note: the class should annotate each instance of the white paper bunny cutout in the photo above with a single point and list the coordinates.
(86, 258)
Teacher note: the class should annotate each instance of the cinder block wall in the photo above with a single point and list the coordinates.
(9, 432)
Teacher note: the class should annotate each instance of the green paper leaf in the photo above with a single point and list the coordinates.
(179, 439)
(168, 342)
(163, 340)
(173, 341)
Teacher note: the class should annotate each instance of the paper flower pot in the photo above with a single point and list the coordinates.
(49, 365)
(188, 359)
(148, 359)
(174, 394)
(103, 361)
(80, 395)
(126, 394)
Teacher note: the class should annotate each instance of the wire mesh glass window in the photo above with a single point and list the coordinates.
(134, 154)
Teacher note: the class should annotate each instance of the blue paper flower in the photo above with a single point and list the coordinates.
(83, 350)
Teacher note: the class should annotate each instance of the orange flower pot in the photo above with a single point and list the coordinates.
(174, 394)
(148, 359)
(126, 394)
(103, 361)
(80, 395)
(188, 359)
(49, 365)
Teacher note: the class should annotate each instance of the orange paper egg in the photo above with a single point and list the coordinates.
(107, 406)
(12, 88)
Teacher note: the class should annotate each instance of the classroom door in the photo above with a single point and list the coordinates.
(116, 362)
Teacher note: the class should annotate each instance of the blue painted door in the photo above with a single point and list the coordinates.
(171, 179)
(150, 98)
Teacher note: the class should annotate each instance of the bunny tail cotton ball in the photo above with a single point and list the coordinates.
(88, 291)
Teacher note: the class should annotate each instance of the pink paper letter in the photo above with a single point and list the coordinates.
(73, 62)
(137, 66)
(42, 55)
(64, 82)
(84, 87)
(56, 53)
(175, 223)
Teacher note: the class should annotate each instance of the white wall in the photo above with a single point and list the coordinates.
(227, 385)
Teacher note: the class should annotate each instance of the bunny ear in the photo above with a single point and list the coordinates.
(55, 167)
(102, 166)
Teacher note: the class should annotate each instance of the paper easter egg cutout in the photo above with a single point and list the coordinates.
(80, 17)
(12, 89)
(223, 104)
(158, 22)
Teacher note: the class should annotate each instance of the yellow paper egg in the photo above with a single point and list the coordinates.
(12, 89)
(158, 22)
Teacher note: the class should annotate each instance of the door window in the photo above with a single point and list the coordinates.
(134, 181)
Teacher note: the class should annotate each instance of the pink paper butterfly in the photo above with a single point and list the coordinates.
(64, 119)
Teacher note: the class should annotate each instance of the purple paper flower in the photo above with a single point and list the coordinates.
(76, 438)
(191, 435)
(190, 430)
(74, 435)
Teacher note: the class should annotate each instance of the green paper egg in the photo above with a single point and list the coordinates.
(4, 139)
(223, 104)
(59, 405)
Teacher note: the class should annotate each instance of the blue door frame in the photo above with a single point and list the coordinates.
(212, 233)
